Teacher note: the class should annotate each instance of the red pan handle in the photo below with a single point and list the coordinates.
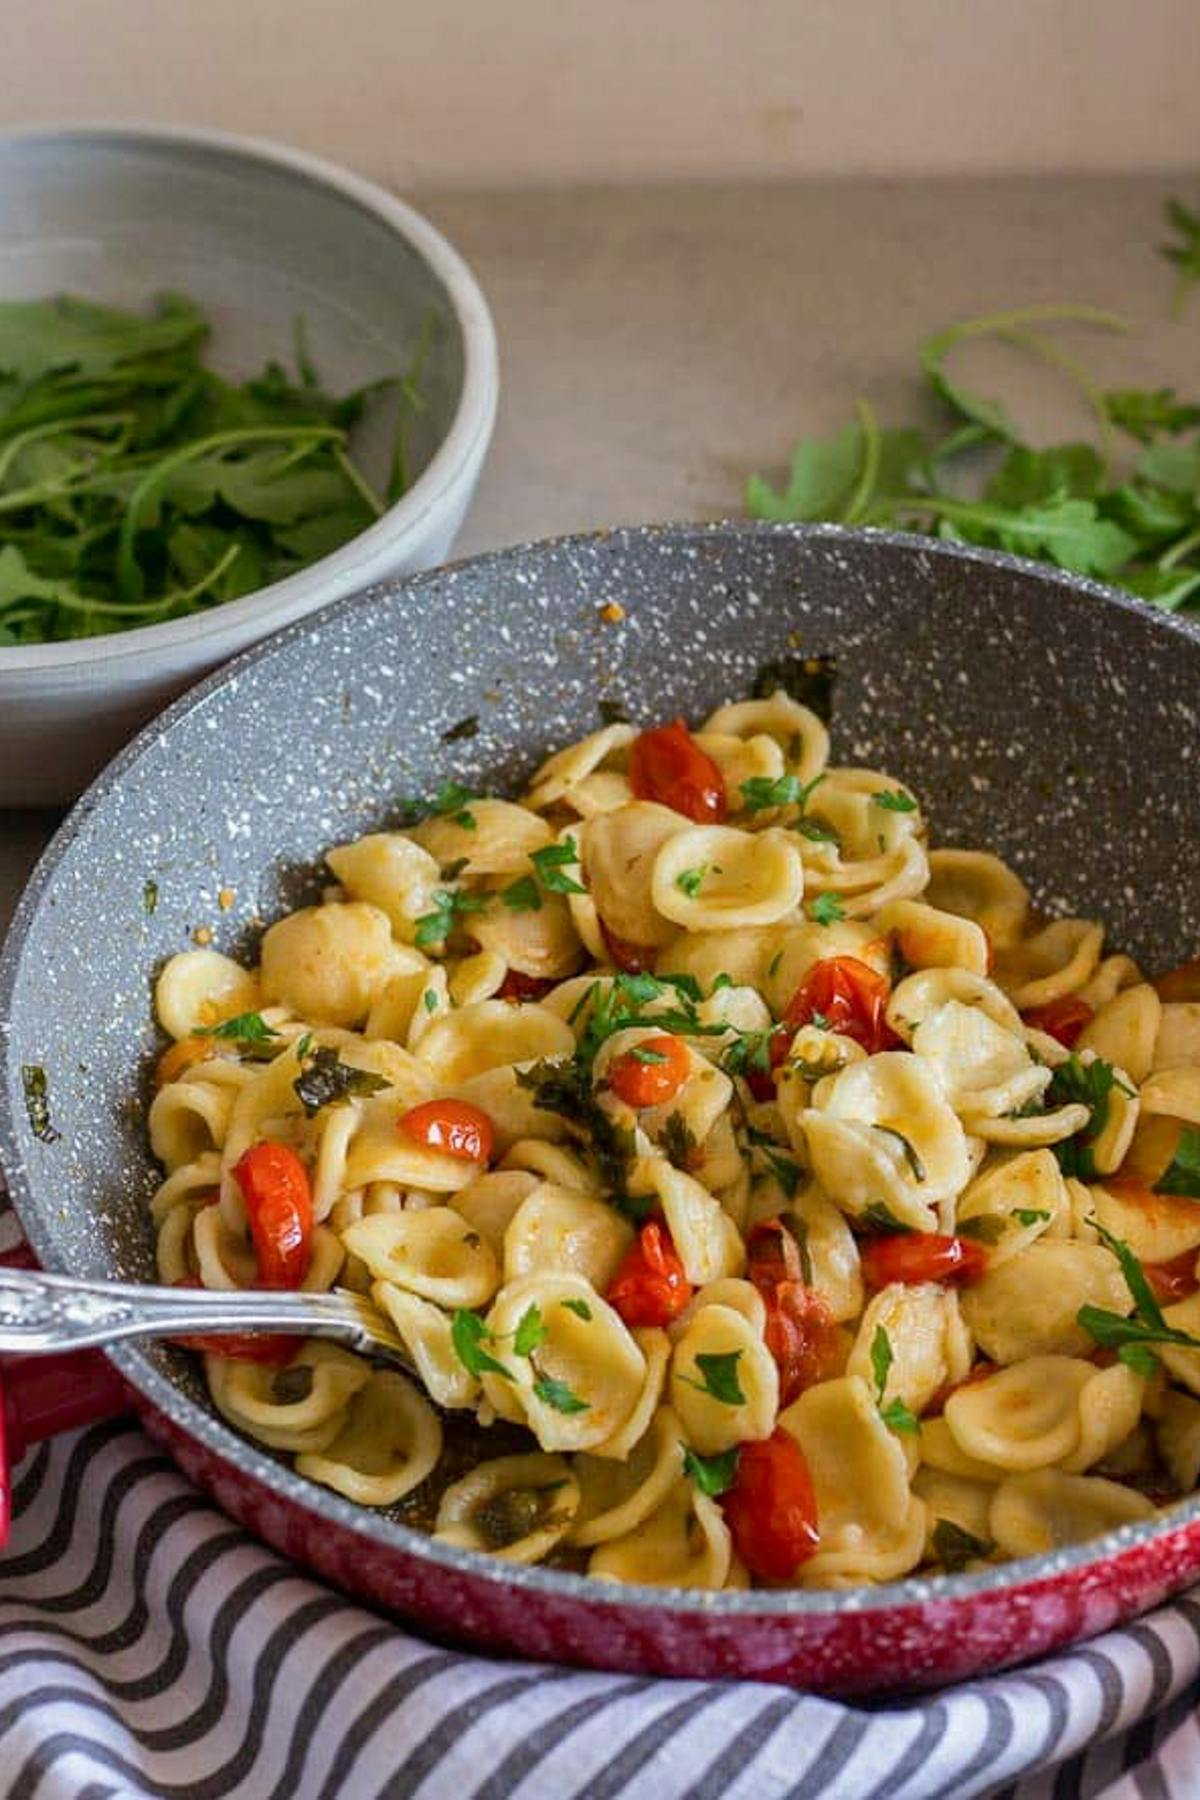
(43, 1395)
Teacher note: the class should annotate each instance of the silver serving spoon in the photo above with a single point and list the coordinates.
(43, 1313)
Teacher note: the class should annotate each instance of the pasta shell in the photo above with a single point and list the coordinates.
(684, 1543)
(587, 1353)
(617, 1497)
(928, 938)
(619, 851)
(328, 963)
(516, 1507)
(433, 1253)
(1125, 1030)
(716, 878)
(1026, 1306)
(499, 841)
(797, 730)
(390, 1441)
(713, 1422)
(979, 886)
(199, 988)
(491, 1035)
(555, 1229)
(1031, 1514)
(390, 871)
(1056, 961)
(930, 1344)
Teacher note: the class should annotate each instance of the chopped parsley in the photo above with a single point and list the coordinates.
(826, 909)
(895, 801)
(449, 905)
(325, 1080)
(530, 1332)
(149, 895)
(1029, 1215)
(986, 1228)
(718, 1376)
(679, 1142)
(1183, 1174)
(557, 1395)
(467, 1333)
(641, 1053)
(690, 881)
(37, 1102)
(580, 1308)
(785, 1169)
(611, 711)
(881, 1216)
(247, 1029)
(552, 862)
(522, 895)
(450, 802)
(763, 791)
(429, 1000)
(817, 831)
(955, 1547)
(713, 1475)
(722, 981)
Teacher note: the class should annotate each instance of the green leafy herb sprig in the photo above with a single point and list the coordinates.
(980, 482)
(1132, 1337)
(138, 485)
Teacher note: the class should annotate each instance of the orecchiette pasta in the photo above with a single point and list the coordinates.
(768, 1195)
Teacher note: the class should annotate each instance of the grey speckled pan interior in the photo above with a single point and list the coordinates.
(1036, 714)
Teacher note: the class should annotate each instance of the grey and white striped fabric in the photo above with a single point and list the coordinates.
(149, 1647)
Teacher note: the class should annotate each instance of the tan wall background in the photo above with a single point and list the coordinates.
(515, 91)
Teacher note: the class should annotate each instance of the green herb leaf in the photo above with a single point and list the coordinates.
(149, 896)
(1029, 1215)
(429, 1000)
(690, 881)
(326, 1080)
(611, 711)
(530, 1332)
(678, 1142)
(522, 895)
(1088, 1084)
(465, 728)
(246, 1029)
(37, 1102)
(955, 1547)
(985, 1228)
(898, 1417)
(558, 1395)
(882, 1359)
(1146, 413)
(763, 791)
(467, 1333)
(1182, 1176)
(580, 1308)
(450, 904)
(895, 801)
(551, 863)
(881, 1216)
(713, 1475)
(641, 1054)
(1183, 251)
(826, 909)
(718, 1376)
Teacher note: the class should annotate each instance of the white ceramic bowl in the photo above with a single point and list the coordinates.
(257, 234)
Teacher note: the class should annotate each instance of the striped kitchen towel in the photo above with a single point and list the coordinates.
(149, 1647)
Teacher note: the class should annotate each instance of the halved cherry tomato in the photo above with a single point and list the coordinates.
(921, 1256)
(762, 1085)
(243, 1346)
(633, 959)
(800, 1331)
(1182, 983)
(452, 1126)
(1173, 1280)
(180, 1056)
(771, 1509)
(1061, 1019)
(640, 1082)
(650, 1287)
(849, 997)
(668, 765)
(274, 1184)
(519, 986)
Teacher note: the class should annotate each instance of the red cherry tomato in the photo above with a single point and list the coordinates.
(762, 1085)
(641, 1083)
(1182, 983)
(650, 1287)
(632, 959)
(921, 1256)
(519, 986)
(850, 997)
(668, 765)
(274, 1184)
(1173, 1280)
(452, 1126)
(1061, 1019)
(243, 1346)
(771, 1509)
(800, 1331)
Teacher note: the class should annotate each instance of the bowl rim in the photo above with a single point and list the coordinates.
(291, 598)
(247, 1459)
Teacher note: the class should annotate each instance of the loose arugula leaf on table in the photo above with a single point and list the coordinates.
(1184, 252)
(1066, 504)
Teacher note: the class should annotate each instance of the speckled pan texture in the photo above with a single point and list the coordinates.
(1036, 714)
